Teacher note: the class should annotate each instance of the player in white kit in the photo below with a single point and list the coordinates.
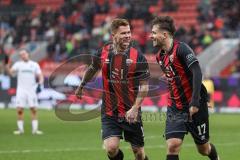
(29, 82)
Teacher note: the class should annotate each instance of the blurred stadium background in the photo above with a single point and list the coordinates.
(57, 30)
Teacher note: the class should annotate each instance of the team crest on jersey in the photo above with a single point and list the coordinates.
(161, 63)
(129, 62)
(190, 57)
(107, 61)
(171, 58)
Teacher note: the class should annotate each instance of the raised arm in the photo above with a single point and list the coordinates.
(11, 70)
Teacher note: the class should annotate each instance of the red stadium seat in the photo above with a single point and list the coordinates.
(5, 2)
(116, 12)
(99, 19)
(43, 4)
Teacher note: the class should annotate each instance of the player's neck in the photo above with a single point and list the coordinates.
(169, 45)
(117, 49)
(26, 60)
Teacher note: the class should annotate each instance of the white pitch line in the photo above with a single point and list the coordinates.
(99, 148)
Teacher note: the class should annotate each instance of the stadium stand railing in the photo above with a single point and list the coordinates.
(218, 56)
(37, 50)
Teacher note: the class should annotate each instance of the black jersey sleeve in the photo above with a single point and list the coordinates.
(186, 54)
(197, 81)
(142, 69)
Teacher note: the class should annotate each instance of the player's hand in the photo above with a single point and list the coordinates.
(7, 65)
(6, 60)
(192, 111)
(79, 91)
(132, 115)
(39, 88)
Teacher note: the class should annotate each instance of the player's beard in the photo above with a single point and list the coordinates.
(159, 43)
(124, 45)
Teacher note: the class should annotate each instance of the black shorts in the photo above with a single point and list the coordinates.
(178, 124)
(117, 127)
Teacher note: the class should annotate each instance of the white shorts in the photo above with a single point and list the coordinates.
(26, 98)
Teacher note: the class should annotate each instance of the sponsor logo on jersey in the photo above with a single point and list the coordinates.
(190, 57)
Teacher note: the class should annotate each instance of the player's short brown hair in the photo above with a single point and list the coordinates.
(165, 23)
(116, 23)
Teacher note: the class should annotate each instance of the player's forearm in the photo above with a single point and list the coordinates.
(89, 74)
(41, 79)
(142, 93)
(9, 71)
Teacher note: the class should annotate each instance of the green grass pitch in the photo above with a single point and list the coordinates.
(82, 140)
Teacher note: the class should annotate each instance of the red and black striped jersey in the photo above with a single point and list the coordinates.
(121, 74)
(175, 66)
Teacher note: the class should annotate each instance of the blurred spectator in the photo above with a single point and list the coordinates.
(3, 60)
(169, 6)
(207, 39)
(104, 8)
(71, 29)
(219, 22)
(17, 2)
(69, 44)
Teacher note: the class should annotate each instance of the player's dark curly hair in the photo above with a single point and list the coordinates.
(165, 23)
